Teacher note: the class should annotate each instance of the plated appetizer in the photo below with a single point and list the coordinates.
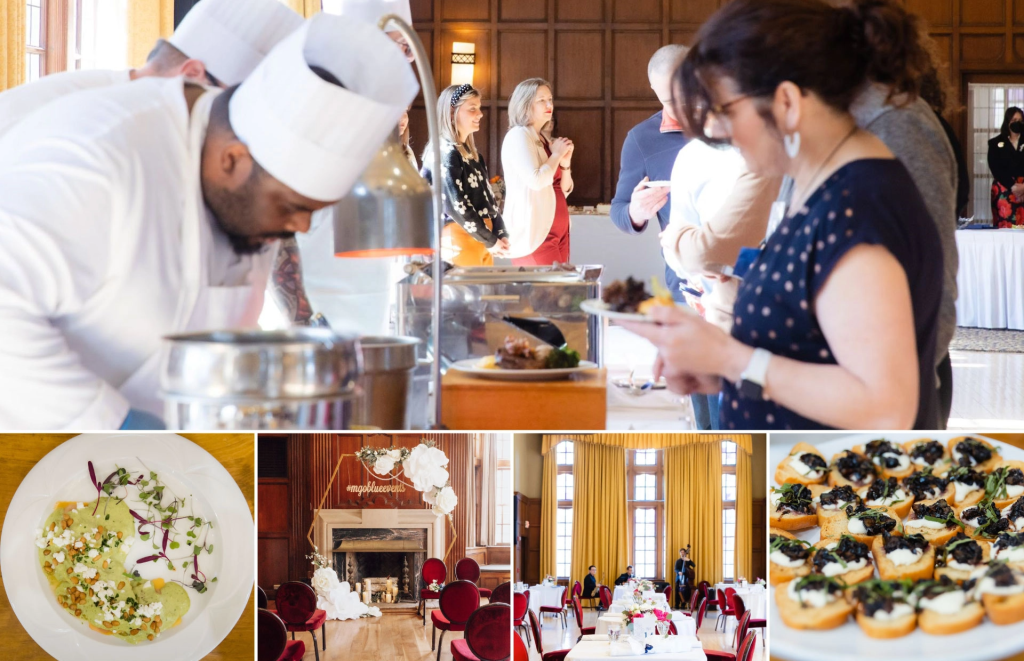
(884, 609)
(908, 557)
(891, 459)
(887, 492)
(935, 520)
(1005, 483)
(926, 485)
(945, 607)
(927, 453)
(832, 501)
(1014, 514)
(968, 485)
(1009, 548)
(1000, 588)
(844, 558)
(804, 465)
(815, 601)
(790, 557)
(792, 507)
(983, 520)
(851, 469)
(519, 354)
(863, 523)
(973, 453)
(960, 557)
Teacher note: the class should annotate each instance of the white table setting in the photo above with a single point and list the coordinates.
(685, 625)
(754, 597)
(673, 648)
(544, 595)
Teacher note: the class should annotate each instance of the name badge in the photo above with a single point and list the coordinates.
(777, 214)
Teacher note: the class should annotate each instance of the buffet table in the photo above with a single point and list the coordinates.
(991, 279)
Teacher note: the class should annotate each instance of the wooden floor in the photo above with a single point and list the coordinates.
(988, 390)
(556, 637)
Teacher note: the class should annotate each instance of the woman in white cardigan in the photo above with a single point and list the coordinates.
(537, 179)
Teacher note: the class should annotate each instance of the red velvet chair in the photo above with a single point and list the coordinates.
(701, 611)
(694, 602)
(550, 656)
(296, 606)
(468, 569)
(558, 610)
(261, 597)
(745, 653)
(433, 570)
(604, 594)
(273, 639)
(520, 606)
(724, 610)
(486, 637)
(457, 602)
(520, 652)
(578, 609)
(668, 595)
(502, 594)
(753, 623)
(577, 591)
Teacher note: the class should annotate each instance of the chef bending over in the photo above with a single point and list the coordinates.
(135, 211)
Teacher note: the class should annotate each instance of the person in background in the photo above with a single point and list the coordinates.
(836, 319)
(684, 569)
(538, 178)
(218, 43)
(403, 135)
(1006, 162)
(626, 577)
(935, 91)
(590, 585)
(474, 230)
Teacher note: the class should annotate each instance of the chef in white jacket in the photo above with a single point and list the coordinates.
(218, 43)
(353, 294)
(151, 208)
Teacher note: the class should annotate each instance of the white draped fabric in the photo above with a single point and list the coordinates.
(340, 603)
(990, 279)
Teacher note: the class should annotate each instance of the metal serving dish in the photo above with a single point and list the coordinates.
(292, 379)
(387, 382)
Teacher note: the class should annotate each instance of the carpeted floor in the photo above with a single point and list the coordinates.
(983, 339)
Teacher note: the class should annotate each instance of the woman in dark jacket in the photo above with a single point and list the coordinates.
(1006, 162)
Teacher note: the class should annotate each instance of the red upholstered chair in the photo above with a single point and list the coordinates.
(668, 595)
(273, 639)
(486, 637)
(741, 629)
(578, 609)
(577, 590)
(695, 598)
(724, 610)
(457, 602)
(433, 570)
(558, 610)
(296, 606)
(604, 594)
(705, 589)
(520, 652)
(550, 656)
(468, 569)
(261, 597)
(520, 606)
(502, 594)
(745, 653)
(701, 611)
(753, 623)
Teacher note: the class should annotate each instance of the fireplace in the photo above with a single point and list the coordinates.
(377, 554)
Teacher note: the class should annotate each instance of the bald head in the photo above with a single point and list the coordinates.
(659, 72)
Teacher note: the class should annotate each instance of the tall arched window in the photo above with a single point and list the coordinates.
(646, 503)
(728, 510)
(564, 490)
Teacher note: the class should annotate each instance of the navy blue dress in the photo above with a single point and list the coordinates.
(871, 201)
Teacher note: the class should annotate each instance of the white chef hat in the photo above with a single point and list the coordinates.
(231, 37)
(313, 136)
(370, 11)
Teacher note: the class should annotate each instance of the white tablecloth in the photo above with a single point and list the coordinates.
(594, 650)
(541, 595)
(991, 279)
(623, 592)
(685, 625)
(754, 598)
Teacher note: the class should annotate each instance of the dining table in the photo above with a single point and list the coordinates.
(545, 595)
(755, 597)
(597, 648)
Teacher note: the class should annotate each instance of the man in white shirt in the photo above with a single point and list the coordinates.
(219, 42)
(152, 208)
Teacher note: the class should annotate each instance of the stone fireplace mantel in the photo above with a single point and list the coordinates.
(329, 520)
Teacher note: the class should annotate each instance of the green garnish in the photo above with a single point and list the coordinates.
(950, 518)
(562, 358)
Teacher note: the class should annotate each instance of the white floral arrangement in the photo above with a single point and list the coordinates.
(435, 586)
(424, 465)
(760, 582)
(645, 586)
(324, 581)
(318, 560)
(549, 580)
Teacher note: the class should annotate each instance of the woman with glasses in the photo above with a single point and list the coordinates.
(835, 320)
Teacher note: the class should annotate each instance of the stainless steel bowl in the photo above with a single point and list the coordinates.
(326, 413)
(303, 363)
(387, 382)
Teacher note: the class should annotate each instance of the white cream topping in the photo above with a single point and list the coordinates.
(810, 598)
(902, 557)
(1014, 490)
(920, 461)
(856, 526)
(924, 523)
(802, 468)
(974, 523)
(776, 497)
(898, 610)
(783, 560)
(962, 490)
(835, 569)
(841, 504)
(899, 494)
(1010, 553)
(902, 458)
(946, 603)
(988, 585)
(963, 566)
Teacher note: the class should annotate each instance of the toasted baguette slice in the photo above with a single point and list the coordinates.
(836, 479)
(939, 468)
(851, 577)
(968, 528)
(983, 467)
(902, 509)
(779, 574)
(797, 617)
(836, 527)
(1002, 609)
(887, 628)
(939, 624)
(961, 575)
(780, 531)
(971, 498)
(888, 472)
(889, 571)
(786, 473)
(823, 514)
(1006, 502)
(792, 521)
(937, 536)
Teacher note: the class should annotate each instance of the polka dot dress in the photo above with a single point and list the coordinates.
(869, 201)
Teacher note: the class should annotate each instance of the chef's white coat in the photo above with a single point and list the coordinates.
(106, 246)
(19, 102)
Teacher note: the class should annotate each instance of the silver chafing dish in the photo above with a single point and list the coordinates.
(484, 305)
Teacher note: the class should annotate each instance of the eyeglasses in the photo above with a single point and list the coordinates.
(721, 110)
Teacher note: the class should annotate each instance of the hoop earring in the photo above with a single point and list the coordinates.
(792, 144)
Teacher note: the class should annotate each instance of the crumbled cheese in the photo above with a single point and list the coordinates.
(58, 557)
(92, 553)
(150, 610)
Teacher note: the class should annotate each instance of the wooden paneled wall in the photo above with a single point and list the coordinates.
(759, 550)
(595, 53)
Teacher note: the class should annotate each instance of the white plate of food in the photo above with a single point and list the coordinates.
(840, 626)
(92, 571)
(518, 359)
(629, 300)
(473, 366)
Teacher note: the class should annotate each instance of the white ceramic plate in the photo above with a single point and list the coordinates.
(986, 642)
(63, 474)
(470, 366)
(599, 308)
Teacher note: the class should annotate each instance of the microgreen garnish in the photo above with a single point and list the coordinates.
(949, 518)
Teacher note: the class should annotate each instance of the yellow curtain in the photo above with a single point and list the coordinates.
(639, 441)
(304, 8)
(693, 506)
(12, 44)
(148, 21)
(600, 526)
(744, 517)
(548, 517)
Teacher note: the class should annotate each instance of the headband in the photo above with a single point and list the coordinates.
(459, 93)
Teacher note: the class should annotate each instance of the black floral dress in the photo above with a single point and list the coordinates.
(1006, 163)
(468, 198)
